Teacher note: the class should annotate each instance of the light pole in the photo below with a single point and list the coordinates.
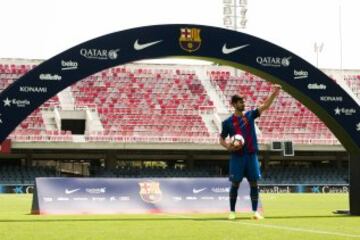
(235, 14)
(318, 49)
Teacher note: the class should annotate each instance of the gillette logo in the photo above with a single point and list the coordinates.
(316, 86)
(50, 77)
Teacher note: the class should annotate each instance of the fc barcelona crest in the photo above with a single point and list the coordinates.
(190, 39)
(150, 191)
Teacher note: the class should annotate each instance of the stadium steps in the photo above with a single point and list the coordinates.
(49, 119)
(94, 121)
(211, 91)
(210, 124)
(66, 99)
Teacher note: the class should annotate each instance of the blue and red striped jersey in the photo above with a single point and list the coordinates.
(245, 126)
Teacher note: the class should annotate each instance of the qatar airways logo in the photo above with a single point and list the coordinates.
(273, 61)
(50, 77)
(100, 54)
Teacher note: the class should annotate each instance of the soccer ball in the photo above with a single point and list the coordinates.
(237, 140)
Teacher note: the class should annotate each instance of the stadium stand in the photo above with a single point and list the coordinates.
(135, 172)
(305, 175)
(353, 81)
(161, 104)
(142, 103)
(23, 175)
(287, 119)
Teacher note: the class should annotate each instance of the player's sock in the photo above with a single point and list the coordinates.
(254, 195)
(233, 196)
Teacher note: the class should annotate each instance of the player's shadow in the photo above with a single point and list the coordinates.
(125, 219)
(278, 217)
(158, 218)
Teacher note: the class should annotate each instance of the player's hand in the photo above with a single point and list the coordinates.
(276, 89)
(233, 148)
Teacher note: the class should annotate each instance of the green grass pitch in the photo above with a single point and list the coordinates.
(288, 216)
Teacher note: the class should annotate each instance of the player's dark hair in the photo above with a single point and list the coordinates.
(236, 98)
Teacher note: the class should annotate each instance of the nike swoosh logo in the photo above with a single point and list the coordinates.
(198, 190)
(67, 191)
(227, 50)
(140, 46)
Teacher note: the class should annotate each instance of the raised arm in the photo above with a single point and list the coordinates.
(267, 103)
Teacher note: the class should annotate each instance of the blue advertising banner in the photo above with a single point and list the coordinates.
(16, 188)
(136, 195)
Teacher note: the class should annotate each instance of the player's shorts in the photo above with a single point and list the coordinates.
(246, 165)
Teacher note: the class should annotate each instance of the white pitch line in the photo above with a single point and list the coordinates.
(295, 229)
(277, 227)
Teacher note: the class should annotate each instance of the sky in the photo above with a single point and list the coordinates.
(40, 29)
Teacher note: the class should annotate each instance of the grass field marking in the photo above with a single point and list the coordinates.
(259, 224)
(295, 229)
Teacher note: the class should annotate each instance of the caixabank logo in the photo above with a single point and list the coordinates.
(16, 102)
(150, 191)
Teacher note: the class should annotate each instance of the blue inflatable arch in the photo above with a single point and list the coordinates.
(299, 78)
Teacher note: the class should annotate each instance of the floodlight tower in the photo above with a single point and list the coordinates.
(235, 14)
(318, 49)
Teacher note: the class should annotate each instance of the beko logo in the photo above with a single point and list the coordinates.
(101, 54)
(316, 86)
(300, 74)
(68, 65)
(50, 77)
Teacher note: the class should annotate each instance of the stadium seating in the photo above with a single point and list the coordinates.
(133, 172)
(24, 175)
(138, 103)
(353, 81)
(305, 175)
(287, 119)
(33, 127)
(141, 103)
